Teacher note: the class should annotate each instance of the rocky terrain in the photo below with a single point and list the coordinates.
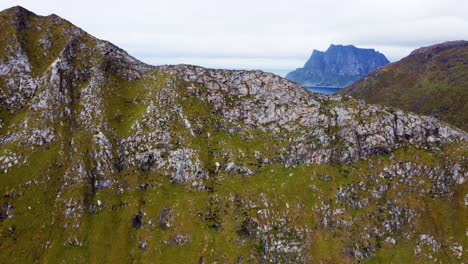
(106, 159)
(430, 81)
(338, 66)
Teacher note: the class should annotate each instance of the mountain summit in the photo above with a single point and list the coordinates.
(105, 159)
(338, 66)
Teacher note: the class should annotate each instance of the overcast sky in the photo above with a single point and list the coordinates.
(272, 35)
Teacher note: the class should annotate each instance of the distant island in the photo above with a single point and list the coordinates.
(337, 67)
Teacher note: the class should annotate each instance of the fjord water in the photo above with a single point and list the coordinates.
(324, 90)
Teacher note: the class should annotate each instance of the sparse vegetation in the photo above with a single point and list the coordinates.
(114, 161)
(433, 82)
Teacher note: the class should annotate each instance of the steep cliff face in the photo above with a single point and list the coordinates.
(430, 81)
(338, 66)
(104, 158)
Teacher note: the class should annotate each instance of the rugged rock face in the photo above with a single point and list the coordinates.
(105, 158)
(430, 81)
(339, 66)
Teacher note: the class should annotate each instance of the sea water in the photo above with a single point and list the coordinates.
(324, 90)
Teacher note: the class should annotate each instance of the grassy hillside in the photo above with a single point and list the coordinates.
(431, 81)
(104, 159)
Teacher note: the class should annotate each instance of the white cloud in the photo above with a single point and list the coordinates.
(273, 35)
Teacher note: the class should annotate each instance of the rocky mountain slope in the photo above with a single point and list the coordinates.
(106, 159)
(430, 81)
(338, 66)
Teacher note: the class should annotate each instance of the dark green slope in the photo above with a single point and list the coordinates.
(431, 81)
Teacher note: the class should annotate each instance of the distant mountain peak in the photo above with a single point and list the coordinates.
(338, 66)
(341, 46)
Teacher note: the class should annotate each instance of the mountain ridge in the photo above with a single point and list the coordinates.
(440, 46)
(104, 158)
